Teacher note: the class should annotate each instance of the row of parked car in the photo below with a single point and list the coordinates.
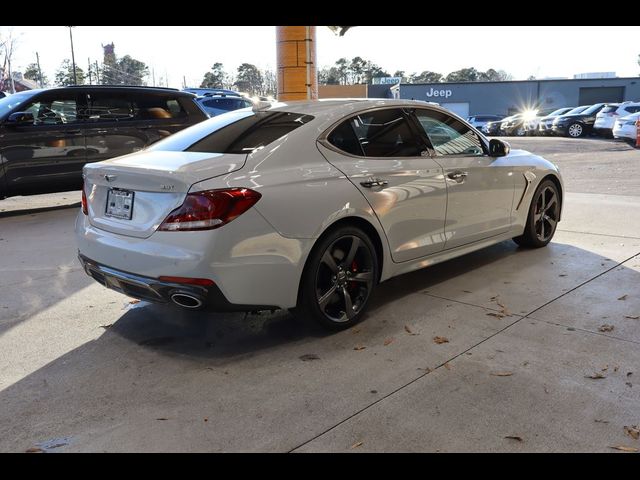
(611, 120)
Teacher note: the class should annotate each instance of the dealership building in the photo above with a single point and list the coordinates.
(509, 97)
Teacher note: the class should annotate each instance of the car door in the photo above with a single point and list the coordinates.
(112, 127)
(480, 188)
(388, 161)
(42, 155)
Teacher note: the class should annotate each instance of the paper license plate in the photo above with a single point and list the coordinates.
(119, 204)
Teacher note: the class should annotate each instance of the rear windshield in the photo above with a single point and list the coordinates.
(238, 131)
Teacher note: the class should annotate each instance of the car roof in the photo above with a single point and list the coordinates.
(115, 88)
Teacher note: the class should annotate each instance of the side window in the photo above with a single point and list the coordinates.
(344, 138)
(115, 106)
(53, 111)
(386, 133)
(449, 136)
(633, 109)
(155, 107)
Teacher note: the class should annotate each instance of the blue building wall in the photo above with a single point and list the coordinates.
(503, 98)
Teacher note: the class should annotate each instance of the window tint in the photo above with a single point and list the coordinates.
(593, 109)
(53, 111)
(386, 133)
(154, 107)
(633, 109)
(250, 133)
(609, 109)
(344, 138)
(227, 103)
(448, 135)
(110, 107)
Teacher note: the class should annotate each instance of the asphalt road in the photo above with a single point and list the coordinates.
(541, 350)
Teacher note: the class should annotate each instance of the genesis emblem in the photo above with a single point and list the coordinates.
(110, 178)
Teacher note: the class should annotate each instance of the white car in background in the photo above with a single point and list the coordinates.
(606, 118)
(307, 205)
(626, 128)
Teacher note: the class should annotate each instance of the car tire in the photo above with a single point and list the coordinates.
(576, 130)
(542, 218)
(520, 132)
(339, 278)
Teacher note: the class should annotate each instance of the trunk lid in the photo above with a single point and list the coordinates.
(159, 181)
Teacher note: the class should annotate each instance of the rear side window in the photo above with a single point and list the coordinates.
(632, 109)
(381, 133)
(117, 107)
(227, 103)
(158, 107)
(53, 110)
(250, 133)
(609, 109)
(344, 138)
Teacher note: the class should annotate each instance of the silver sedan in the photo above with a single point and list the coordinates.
(307, 206)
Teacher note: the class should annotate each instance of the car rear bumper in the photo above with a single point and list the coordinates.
(155, 290)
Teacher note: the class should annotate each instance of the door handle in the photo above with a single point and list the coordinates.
(74, 132)
(374, 182)
(458, 176)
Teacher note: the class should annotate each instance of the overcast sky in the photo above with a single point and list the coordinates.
(190, 51)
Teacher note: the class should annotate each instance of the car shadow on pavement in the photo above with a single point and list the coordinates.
(205, 334)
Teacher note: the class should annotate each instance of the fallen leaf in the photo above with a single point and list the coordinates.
(501, 374)
(629, 374)
(355, 330)
(34, 450)
(623, 297)
(514, 437)
(606, 328)
(409, 331)
(134, 301)
(356, 445)
(601, 421)
(106, 326)
(440, 340)
(359, 347)
(308, 357)
(625, 449)
(426, 370)
(595, 376)
(447, 366)
(633, 431)
(632, 317)
(389, 341)
(162, 419)
(497, 315)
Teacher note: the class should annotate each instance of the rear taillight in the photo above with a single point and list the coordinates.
(210, 209)
(201, 282)
(85, 209)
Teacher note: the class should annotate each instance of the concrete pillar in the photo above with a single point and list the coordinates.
(297, 73)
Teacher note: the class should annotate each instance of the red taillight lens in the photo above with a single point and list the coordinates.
(85, 209)
(202, 282)
(210, 209)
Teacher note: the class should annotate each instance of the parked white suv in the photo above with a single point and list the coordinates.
(625, 128)
(606, 118)
(480, 121)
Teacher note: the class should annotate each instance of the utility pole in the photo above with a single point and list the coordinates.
(184, 82)
(73, 58)
(89, 63)
(39, 70)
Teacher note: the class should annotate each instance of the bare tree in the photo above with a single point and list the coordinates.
(7, 47)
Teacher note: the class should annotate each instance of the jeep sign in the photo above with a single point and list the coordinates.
(439, 93)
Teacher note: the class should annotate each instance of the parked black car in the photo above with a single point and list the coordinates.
(492, 128)
(577, 125)
(46, 136)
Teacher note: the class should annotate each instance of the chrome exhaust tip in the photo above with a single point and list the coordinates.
(186, 300)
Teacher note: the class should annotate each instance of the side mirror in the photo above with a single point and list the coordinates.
(20, 118)
(498, 148)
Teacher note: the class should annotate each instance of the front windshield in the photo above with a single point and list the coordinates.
(592, 109)
(559, 111)
(10, 102)
(577, 110)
